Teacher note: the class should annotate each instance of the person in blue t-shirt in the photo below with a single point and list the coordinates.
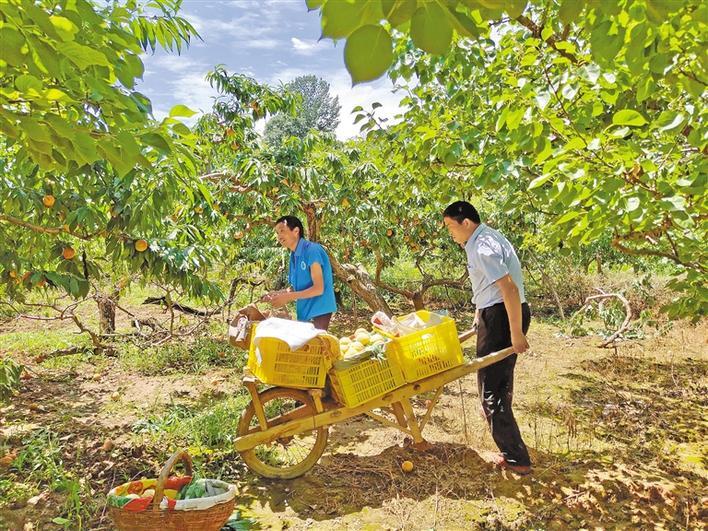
(309, 274)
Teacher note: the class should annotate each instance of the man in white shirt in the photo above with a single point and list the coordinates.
(502, 317)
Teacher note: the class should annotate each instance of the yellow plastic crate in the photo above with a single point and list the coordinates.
(305, 368)
(428, 351)
(364, 381)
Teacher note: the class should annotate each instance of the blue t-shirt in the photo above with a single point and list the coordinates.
(300, 278)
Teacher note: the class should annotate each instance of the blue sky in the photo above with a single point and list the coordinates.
(271, 40)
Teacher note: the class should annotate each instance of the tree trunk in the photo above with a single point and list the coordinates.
(549, 284)
(360, 283)
(418, 303)
(106, 315)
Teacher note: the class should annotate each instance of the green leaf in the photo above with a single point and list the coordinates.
(515, 8)
(368, 53)
(25, 82)
(633, 203)
(669, 120)
(493, 4)
(398, 11)
(628, 117)
(645, 89)
(568, 216)
(605, 47)
(540, 181)
(659, 10)
(574, 143)
(56, 95)
(675, 203)
(85, 146)
(570, 10)
(464, 25)
(82, 56)
(64, 27)
(430, 29)
(313, 4)
(341, 18)
(513, 119)
(181, 110)
(12, 44)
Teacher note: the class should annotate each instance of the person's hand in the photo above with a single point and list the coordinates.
(519, 342)
(475, 325)
(278, 298)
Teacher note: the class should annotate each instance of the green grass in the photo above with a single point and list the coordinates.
(41, 342)
(197, 357)
(39, 465)
(213, 427)
(12, 492)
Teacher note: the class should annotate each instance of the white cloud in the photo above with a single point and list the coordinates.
(260, 44)
(380, 91)
(303, 47)
(288, 74)
(191, 90)
(248, 25)
(177, 64)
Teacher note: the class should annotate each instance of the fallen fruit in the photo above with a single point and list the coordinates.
(48, 201)
(407, 466)
(7, 459)
(115, 396)
(108, 445)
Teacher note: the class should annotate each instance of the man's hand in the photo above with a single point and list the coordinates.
(519, 342)
(278, 298)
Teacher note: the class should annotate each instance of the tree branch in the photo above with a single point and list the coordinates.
(47, 230)
(552, 41)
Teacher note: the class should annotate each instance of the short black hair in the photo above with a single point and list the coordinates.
(292, 223)
(461, 210)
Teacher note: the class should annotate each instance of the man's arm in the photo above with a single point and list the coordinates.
(512, 303)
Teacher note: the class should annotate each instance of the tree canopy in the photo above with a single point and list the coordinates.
(316, 110)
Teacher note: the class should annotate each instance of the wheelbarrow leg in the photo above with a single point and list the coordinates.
(316, 395)
(400, 414)
(257, 405)
(418, 442)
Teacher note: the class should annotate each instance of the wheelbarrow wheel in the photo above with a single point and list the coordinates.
(287, 457)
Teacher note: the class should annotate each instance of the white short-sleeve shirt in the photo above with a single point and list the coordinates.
(490, 256)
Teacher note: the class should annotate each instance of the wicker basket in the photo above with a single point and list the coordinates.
(156, 518)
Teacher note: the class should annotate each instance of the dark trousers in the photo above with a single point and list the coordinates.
(496, 382)
(321, 322)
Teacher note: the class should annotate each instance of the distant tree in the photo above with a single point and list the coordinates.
(316, 110)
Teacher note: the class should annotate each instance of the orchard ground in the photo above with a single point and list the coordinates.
(616, 436)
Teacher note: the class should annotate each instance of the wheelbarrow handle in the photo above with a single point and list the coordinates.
(464, 336)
